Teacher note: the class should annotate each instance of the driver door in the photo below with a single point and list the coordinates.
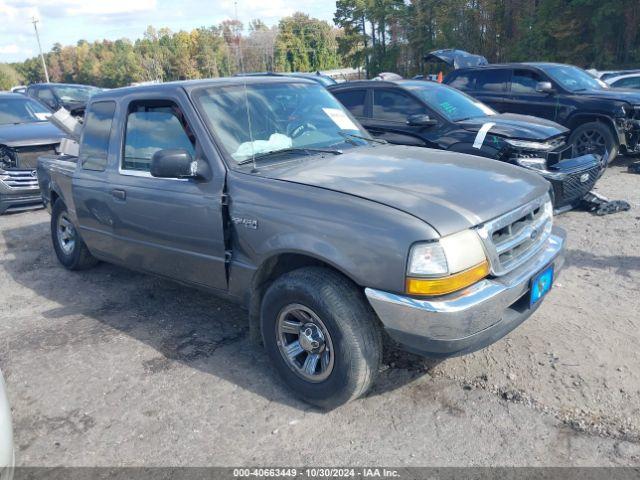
(525, 100)
(171, 227)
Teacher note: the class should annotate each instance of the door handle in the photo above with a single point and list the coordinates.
(119, 194)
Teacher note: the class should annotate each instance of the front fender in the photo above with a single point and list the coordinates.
(366, 241)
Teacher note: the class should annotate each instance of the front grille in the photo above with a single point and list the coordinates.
(25, 179)
(515, 237)
(27, 157)
(577, 185)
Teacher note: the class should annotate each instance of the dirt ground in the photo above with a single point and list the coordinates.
(108, 367)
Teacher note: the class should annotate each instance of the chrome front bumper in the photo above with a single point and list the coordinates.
(470, 319)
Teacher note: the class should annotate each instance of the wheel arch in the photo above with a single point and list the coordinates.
(579, 119)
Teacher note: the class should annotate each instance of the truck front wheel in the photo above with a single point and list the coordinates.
(71, 251)
(321, 335)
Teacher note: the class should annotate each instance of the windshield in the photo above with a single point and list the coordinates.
(450, 103)
(573, 78)
(21, 110)
(73, 93)
(254, 119)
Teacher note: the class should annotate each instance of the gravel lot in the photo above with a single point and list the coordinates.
(108, 367)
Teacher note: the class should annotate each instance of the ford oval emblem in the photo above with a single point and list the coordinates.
(584, 178)
(534, 234)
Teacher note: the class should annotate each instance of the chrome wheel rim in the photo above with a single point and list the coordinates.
(66, 234)
(591, 141)
(304, 343)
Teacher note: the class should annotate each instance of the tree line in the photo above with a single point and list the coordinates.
(394, 35)
(297, 43)
(379, 35)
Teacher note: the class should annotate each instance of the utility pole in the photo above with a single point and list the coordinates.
(44, 65)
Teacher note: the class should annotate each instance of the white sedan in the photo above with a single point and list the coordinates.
(630, 80)
(7, 458)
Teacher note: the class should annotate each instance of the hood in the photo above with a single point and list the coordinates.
(522, 127)
(449, 191)
(456, 58)
(621, 94)
(26, 134)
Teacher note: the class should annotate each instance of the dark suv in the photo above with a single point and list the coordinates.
(600, 118)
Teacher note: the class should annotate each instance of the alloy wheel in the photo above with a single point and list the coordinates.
(591, 141)
(66, 234)
(304, 343)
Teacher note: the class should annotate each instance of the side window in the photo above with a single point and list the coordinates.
(524, 81)
(353, 100)
(631, 82)
(96, 132)
(493, 80)
(153, 126)
(394, 106)
(463, 81)
(46, 96)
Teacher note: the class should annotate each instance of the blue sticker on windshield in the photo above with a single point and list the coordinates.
(448, 108)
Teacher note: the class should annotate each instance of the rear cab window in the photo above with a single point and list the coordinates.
(492, 80)
(353, 100)
(96, 132)
(152, 126)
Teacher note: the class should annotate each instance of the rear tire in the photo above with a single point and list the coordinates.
(71, 251)
(594, 137)
(321, 335)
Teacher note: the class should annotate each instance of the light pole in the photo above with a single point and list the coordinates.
(44, 65)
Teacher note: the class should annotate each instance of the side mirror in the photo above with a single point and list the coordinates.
(544, 87)
(421, 120)
(173, 163)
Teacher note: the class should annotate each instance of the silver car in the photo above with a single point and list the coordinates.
(7, 457)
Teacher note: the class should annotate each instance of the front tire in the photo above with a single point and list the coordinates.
(321, 336)
(71, 251)
(595, 138)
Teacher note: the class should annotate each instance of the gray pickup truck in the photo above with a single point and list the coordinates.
(266, 191)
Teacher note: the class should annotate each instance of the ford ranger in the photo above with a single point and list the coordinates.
(267, 192)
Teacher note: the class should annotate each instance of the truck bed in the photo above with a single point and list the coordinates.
(54, 177)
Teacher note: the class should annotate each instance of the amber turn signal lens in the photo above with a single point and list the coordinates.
(452, 283)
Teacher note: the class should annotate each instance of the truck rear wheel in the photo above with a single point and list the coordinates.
(321, 335)
(71, 251)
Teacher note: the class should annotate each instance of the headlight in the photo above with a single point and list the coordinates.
(532, 162)
(529, 145)
(452, 263)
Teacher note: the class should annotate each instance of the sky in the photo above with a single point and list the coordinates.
(67, 21)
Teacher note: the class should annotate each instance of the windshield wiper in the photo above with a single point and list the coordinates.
(362, 137)
(308, 151)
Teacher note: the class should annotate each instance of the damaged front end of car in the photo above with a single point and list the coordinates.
(571, 177)
(628, 129)
(18, 179)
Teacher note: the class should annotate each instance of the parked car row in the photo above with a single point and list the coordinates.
(334, 214)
